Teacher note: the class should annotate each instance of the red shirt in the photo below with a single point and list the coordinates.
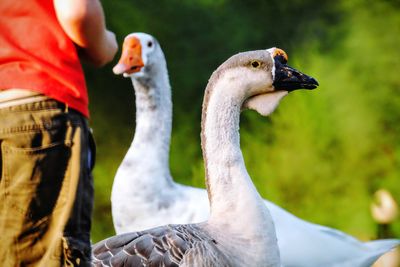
(36, 54)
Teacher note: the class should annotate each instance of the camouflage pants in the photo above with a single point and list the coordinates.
(46, 186)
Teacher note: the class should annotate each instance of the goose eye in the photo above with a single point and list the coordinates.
(150, 44)
(255, 64)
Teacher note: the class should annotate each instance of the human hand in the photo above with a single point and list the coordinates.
(112, 44)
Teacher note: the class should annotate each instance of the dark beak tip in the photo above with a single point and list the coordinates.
(314, 82)
(311, 84)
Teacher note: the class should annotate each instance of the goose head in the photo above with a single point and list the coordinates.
(141, 57)
(261, 79)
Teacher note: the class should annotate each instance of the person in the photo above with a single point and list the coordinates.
(46, 186)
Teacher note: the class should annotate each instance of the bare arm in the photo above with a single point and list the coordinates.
(84, 23)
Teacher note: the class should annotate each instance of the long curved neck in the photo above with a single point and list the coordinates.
(228, 182)
(151, 144)
(232, 193)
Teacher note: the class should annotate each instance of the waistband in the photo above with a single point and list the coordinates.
(21, 99)
(15, 97)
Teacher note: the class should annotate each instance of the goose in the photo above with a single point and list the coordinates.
(144, 194)
(240, 230)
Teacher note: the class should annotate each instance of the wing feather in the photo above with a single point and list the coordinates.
(161, 246)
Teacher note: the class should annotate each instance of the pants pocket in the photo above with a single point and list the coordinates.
(33, 178)
(32, 190)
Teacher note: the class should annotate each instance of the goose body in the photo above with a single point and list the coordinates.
(144, 194)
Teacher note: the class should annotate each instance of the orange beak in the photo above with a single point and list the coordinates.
(131, 58)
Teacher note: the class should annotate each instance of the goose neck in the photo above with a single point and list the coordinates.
(153, 120)
(231, 191)
(236, 208)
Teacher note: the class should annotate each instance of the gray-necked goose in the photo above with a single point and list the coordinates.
(240, 230)
(144, 195)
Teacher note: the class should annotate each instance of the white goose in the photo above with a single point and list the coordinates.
(144, 194)
(240, 230)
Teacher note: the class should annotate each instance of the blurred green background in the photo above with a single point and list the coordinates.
(322, 154)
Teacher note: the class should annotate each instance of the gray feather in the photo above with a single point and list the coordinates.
(169, 246)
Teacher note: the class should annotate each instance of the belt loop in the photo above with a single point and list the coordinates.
(66, 108)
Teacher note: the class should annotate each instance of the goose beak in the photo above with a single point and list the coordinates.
(131, 58)
(288, 78)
